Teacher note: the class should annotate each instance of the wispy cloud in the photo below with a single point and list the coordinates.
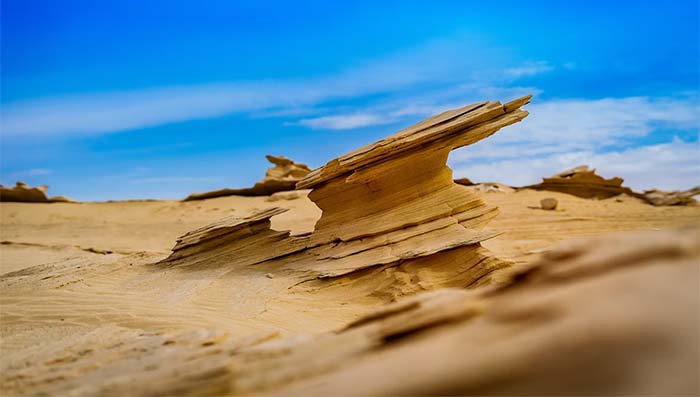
(177, 179)
(529, 69)
(586, 124)
(671, 165)
(606, 121)
(398, 108)
(99, 113)
(345, 121)
(30, 173)
(608, 134)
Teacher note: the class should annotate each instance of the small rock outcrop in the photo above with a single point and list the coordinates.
(282, 177)
(583, 182)
(660, 197)
(493, 187)
(464, 181)
(23, 193)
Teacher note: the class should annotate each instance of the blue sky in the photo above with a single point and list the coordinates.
(157, 99)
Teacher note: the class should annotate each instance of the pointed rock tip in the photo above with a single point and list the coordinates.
(516, 103)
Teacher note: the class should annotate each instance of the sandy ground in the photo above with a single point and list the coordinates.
(35, 234)
(82, 270)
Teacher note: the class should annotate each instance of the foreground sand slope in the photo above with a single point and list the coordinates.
(616, 315)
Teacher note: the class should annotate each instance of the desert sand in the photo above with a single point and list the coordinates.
(489, 294)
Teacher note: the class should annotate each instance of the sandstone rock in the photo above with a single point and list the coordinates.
(549, 203)
(661, 197)
(392, 203)
(583, 182)
(282, 177)
(464, 181)
(26, 194)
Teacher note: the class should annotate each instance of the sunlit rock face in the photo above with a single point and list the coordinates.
(392, 203)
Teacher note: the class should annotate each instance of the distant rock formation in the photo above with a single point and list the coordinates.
(583, 182)
(282, 177)
(493, 187)
(464, 181)
(23, 193)
(389, 205)
(660, 197)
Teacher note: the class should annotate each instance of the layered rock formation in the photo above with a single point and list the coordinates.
(282, 177)
(24, 193)
(583, 182)
(661, 197)
(387, 204)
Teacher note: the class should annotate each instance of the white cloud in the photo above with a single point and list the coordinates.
(673, 165)
(176, 179)
(529, 69)
(411, 105)
(345, 121)
(561, 134)
(33, 172)
(559, 126)
(604, 121)
(440, 62)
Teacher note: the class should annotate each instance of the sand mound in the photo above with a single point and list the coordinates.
(282, 177)
(609, 315)
(616, 314)
(23, 193)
